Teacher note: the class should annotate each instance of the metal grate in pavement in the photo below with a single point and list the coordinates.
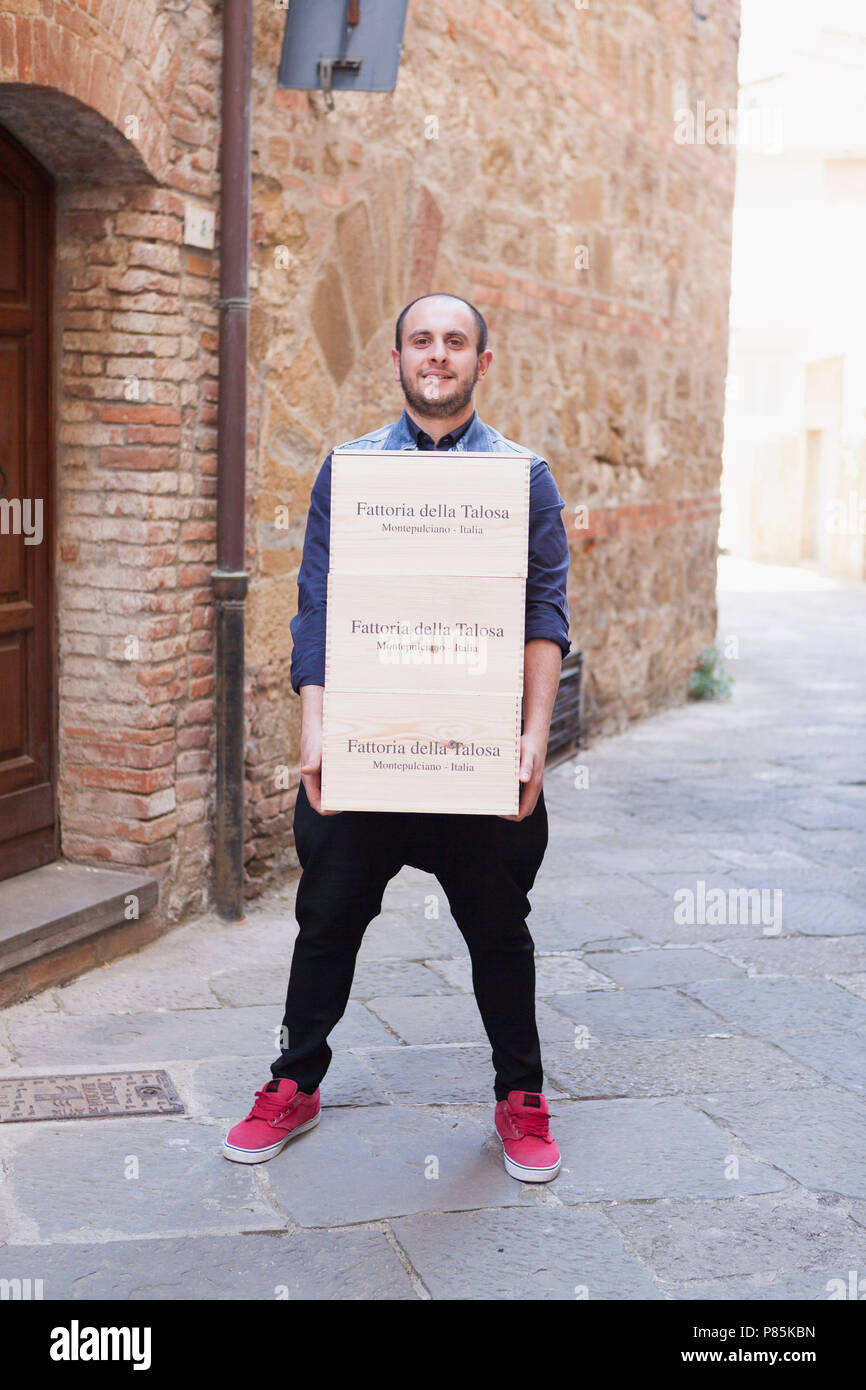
(94, 1095)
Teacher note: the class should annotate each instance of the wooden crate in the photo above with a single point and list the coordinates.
(395, 512)
(425, 632)
(421, 752)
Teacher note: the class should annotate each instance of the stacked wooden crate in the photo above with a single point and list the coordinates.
(425, 631)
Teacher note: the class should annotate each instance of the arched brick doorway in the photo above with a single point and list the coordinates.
(28, 834)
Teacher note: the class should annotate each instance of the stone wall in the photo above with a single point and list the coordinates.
(526, 161)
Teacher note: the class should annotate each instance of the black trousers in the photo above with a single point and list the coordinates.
(485, 865)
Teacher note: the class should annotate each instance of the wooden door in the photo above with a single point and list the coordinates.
(28, 835)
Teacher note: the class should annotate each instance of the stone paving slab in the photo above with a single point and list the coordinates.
(250, 987)
(650, 916)
(565, 970)
(766, 1007)
(680, 1241)
(839, 1056)
(437, 1075)
(391, 936)
(563, 880)
(314, 1265)
(631, 1150)
(675, 1066)
(623, 1014)
(407, 977)
(647, 857)
(129, 986)
(818, 1136)
(766, 859)
(651, 967)
(371, 1164)
(238, 988)
(69, 1181)
(452, 1018)
(795, 956)
(796, 1286)
(633, 907)
(826, 813)
(846, 847)
(224, 1088)
(567, 926)
(151, 1038)
(533, 1254)
(812, 879)
(209, 944)
(824, 914)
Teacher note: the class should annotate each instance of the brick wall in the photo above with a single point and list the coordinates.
(129, 127)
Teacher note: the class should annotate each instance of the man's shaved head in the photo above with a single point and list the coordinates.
(480, 323)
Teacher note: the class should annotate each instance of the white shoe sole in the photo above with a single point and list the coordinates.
(517, 1170)
(260, 1155)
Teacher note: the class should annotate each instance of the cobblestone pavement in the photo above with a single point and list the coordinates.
(705, 1052)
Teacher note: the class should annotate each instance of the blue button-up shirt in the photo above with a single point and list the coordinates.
(546, 603)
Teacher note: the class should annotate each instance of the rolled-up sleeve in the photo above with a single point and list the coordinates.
(547, 612)
(308, 627)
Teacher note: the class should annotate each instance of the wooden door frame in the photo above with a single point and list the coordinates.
(49, 844)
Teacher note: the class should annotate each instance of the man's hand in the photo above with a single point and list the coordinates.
(311, 746)
(542, 663)
(533, 751)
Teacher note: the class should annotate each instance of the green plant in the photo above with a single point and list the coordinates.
(709, 680)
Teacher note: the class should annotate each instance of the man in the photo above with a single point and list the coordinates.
(486, 864)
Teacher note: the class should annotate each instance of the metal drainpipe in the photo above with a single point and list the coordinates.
(230, 577)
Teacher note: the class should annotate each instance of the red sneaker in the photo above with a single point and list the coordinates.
(280, 1111)
(528, 1147)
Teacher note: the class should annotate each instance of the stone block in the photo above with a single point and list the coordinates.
(297, 1266)
(663, 966)
(770, 1007)
(817, 1136)
(676, 1066)
(452, 1019)
(743, 1236)
(622, 1014)
(86, 1180)
(549, 1253)
(439, 1075)
(370, 1164)
(553, 973)
(632, 1150)
(224, 1089)
(330, 317)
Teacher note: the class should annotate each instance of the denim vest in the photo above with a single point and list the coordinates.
(479, 438)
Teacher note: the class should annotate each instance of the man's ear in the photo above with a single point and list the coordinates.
(395, 358)
(484, 360)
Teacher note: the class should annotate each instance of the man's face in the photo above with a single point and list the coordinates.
(439, 363)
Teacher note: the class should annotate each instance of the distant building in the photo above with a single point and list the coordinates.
(794, 485)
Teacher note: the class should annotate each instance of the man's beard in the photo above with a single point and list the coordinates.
(441, 407)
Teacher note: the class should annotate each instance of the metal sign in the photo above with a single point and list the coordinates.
(342, 45)
(95, 1095)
